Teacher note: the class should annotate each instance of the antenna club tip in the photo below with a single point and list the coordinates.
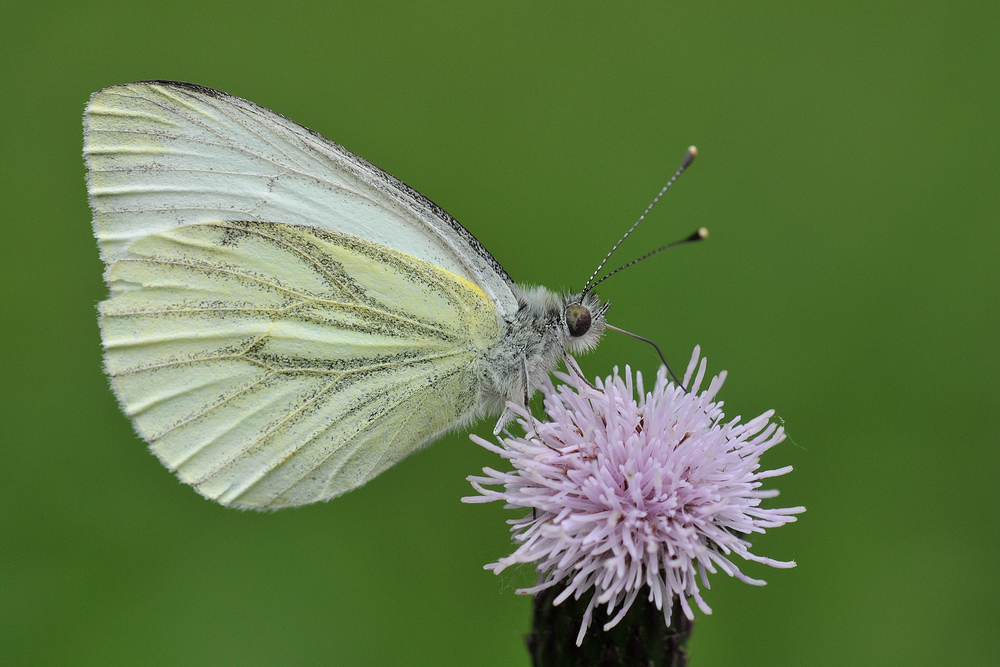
(702, 232)
(693, 151)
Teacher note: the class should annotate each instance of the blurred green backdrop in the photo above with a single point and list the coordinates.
(848, 172)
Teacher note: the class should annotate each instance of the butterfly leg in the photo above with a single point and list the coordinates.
(574, 368)
(505, 417)
(508, 414)
(527, 392)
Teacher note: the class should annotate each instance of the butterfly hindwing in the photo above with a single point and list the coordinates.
(273, 365)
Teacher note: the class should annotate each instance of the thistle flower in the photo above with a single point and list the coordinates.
(627, 493)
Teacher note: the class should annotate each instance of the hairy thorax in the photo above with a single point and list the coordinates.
(531, 345)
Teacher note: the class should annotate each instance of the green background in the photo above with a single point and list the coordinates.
(848, 172)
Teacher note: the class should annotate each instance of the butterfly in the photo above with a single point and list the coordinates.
(286, 320)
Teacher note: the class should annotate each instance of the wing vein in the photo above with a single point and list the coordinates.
(371, 423)
(250, 444)
(214, 406)
(297, 169)
(291, 292)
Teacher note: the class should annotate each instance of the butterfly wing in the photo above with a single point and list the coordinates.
(162, 154)
(273, 365)
(286, 320)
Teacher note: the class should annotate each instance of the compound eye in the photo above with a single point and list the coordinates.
(577, 320)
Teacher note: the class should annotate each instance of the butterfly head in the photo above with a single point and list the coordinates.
(583, 321)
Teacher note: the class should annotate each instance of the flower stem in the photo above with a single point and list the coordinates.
(641, 638)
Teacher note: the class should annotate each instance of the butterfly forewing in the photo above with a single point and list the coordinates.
(162, 154)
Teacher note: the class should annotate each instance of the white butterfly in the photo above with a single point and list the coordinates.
(286, 320)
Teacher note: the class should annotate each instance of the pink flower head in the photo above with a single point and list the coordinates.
(625, 493)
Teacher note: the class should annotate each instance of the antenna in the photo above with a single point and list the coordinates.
(700, 234)
(689, 157)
